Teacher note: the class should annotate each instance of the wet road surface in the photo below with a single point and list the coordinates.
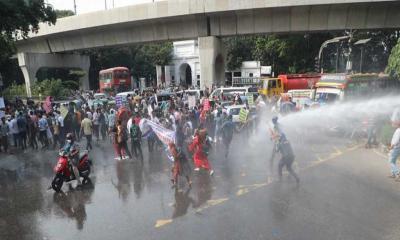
(343, 194)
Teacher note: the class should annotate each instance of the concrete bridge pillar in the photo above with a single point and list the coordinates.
(30, 63)
(212, 61)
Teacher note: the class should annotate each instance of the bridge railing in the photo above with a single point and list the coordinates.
(245, 81)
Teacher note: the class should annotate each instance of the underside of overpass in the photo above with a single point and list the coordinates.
(189, 19)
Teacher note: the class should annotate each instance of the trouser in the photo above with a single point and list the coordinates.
(4, 143)
(56, 139)
(88, 142)
(22, 139)
(287, 161)
(227, 143)
(96, 131)
(371, 136)
(43, 138)
(103, 131)
(77, 131)
(16, 139)
(32, 140)
(150, 143)
(74, 162)
(123, 145)
(61, 136)
(393, 155)
(136, 148)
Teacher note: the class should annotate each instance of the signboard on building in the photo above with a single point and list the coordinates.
(266, 70)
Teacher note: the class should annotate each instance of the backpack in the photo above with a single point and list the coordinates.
(135, 133)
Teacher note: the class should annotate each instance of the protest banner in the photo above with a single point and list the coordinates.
(118, 101)
(250, 99)
(243, 115)
(63, 111)
(192, 101)
(206, 104)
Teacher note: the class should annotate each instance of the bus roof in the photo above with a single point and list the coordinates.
(339, 80)
(343, 78)
(113, 69)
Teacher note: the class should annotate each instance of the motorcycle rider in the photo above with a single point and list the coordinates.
(71, 148)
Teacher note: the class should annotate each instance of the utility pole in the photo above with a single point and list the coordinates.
(113, 4)
(75, 6)
(105, 4)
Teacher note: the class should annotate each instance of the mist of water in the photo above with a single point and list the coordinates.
(346, 116)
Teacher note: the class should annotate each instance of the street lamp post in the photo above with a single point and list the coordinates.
(362, 43)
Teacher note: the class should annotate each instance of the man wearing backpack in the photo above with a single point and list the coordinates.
(136, 136)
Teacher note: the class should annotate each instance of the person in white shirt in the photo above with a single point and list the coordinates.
(14, 130)
(394, 154)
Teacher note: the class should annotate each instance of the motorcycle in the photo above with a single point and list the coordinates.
(64, 172)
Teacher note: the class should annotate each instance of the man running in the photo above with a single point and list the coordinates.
(227, 129)
(287, 157)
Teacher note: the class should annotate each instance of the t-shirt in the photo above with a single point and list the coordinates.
(43, 125)
(96, 117)
(14, 126)
(22, 124)
(396, 139)
(87, 126)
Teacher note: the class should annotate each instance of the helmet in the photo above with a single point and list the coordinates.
(70, 137)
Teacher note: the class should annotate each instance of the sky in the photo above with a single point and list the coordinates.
(84, 6)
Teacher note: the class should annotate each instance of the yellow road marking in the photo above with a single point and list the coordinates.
(380, 154)
(217, 201)
(243, 189)
(163, 222)
(337, 150)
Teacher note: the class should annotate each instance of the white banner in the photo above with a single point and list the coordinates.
(165, 135)
(191, 101)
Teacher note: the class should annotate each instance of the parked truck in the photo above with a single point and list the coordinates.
(283, 83)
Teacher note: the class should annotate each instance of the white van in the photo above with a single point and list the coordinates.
(232, 90)
(125, 94)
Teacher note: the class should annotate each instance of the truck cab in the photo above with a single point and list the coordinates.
(270, 87)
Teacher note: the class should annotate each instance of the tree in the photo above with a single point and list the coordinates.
(393, 67)
(64, 13)
(239, 49)
(19, 17)
(140, 59)
(294, 53)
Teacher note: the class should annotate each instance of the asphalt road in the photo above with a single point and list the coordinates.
(343, 194)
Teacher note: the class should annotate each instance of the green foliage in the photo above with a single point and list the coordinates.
(239, 49)
(64, 13)
(393, 67)
(293, 53)
(22, 17)
(55, 88)
(14, 90)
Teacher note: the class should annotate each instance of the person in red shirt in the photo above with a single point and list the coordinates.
(199, 148)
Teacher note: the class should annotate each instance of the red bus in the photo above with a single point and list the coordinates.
(115, 79)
